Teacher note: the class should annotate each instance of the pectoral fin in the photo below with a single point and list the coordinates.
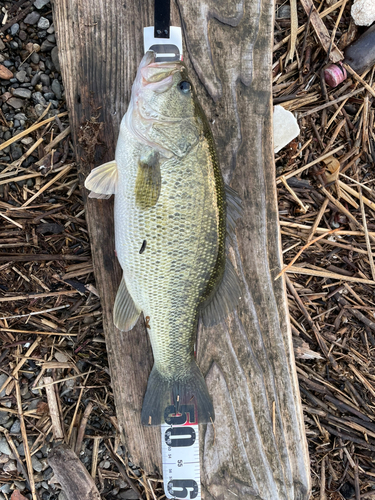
(125, 312)
(148, 181)
(102, 180)
(223, 299)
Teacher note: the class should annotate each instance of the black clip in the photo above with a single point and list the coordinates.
(162, 22)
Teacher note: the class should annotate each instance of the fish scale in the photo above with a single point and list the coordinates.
(181, 231)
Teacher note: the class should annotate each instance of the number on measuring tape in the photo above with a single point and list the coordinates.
(180, 448)
(183, 488)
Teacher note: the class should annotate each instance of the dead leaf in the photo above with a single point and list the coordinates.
(17, 495)
(333, 167)
(42, 408)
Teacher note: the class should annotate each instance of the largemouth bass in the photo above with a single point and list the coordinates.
(173, 215)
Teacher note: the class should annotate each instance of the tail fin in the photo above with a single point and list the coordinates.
(161, 393)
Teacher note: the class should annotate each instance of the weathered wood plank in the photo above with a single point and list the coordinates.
(248, 359)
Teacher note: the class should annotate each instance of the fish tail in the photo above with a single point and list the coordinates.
(163, 393)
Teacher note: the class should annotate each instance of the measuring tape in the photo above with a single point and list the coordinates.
(180, 453)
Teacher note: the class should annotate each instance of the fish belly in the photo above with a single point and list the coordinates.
(168, 279)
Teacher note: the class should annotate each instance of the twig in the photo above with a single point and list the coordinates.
(24, 439)
(53, 408)
(82, 426)
(302, 250)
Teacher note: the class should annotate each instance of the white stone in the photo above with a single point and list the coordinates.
(363, 12)
(285, 127)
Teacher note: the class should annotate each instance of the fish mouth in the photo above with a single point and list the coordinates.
(140, 117)
(155, 76)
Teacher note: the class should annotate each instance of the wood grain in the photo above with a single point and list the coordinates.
(248, 359)
(70, 472)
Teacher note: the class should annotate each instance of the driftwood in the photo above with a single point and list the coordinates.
(70, 472)
(257, 448)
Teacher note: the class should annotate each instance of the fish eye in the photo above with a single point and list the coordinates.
(184, 87)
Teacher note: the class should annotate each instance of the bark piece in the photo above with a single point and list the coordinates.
(75, 481)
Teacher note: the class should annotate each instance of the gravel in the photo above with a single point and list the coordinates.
(4, 447)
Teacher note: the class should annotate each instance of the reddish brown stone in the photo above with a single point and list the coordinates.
(5, 73)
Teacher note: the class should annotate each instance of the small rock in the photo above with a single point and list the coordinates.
(16, 153)
(16, 427)
(28, 141)
(43, 23)
(22, 35)
(3, 458)
(45, 79)
(5, 73)
(128, 495)
(4, 447)
(38, 98)
(10, 466)
(61, 357)
(363, 12)
(56, 88)
(35, 58)
(2, 45)
(4, 417)
(283, 12)
(39, 4)
(35, 79)
(32, 18)
(20, 116)
(21, 76)
(5, 488)
(37, 464)
(23, 93)
(47, 46)
(51, 29)
(285, 127)
(39, 110)
(14, 29)
(55, 58)
(62, 496)
(21, 485)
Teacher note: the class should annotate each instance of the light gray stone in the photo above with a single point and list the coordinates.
(15, 102)
(4, 446)
(39, 4)
(21, 76)
(23, 93)
(16, 427)
(3, 378)
(43, 23)
(10, 466)
(56, 89)
(37, 464)
(363, 12)
(32, 18)
(285, 128)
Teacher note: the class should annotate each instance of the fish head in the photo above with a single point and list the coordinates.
(163, 109)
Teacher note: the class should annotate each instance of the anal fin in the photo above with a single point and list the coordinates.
(102, 181)
(125, 312)
(224, 299)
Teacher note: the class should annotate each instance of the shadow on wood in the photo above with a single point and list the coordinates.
(258, 447)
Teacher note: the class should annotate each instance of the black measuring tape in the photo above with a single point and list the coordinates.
(162, 18)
